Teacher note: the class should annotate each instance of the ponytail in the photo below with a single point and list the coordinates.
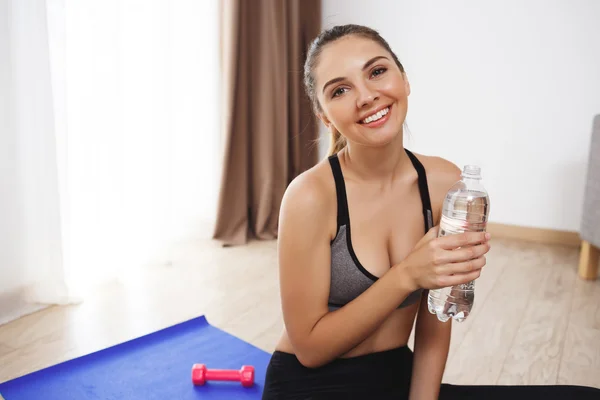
(336, 141)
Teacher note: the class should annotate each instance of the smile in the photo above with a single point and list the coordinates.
(376, 118)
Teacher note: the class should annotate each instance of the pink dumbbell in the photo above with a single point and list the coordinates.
(245, 375)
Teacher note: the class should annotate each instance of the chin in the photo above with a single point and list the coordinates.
(384, 136)
(387, 139)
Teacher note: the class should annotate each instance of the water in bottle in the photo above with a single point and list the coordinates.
(466, 208)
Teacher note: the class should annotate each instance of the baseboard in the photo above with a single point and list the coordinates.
(537, 235)
(14, 304)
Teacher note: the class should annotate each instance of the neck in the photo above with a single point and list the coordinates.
(377, 163)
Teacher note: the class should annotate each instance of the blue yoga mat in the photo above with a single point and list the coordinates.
(155, 366)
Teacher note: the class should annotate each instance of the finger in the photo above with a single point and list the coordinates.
(430, 235)
(460, 279)
(433, 232)
(463, 267)
(464, 253)
(463, 239)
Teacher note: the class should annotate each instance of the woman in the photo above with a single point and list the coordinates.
(358, 246)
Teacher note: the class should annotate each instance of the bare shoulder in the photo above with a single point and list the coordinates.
(442, 174)
(311, 199)
(440, 171)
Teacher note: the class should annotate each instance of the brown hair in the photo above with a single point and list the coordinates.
(337, 141)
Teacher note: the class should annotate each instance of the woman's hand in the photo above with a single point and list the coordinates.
(445, 261)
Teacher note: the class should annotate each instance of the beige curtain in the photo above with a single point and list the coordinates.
(270, 130)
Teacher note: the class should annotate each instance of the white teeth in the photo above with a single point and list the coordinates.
(376, 116)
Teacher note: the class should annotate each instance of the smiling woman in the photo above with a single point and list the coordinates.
(358, 249)
(373, 60)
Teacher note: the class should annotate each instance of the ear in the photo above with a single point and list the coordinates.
(324, 119)
(406, 85)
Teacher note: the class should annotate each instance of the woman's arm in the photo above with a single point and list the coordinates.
(432, 341)
(317, 335)
(432, 337)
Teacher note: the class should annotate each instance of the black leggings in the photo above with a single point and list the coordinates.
(386, 375)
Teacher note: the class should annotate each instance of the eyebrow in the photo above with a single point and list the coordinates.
(367, 65)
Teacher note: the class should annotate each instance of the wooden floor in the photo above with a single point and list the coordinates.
(534, 321)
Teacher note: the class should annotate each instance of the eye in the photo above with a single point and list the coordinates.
(378, 71)
(338, 92)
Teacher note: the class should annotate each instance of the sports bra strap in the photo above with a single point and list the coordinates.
(423, 190)
(340, 189)
(342, 200)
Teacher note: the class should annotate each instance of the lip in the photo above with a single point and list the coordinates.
(380, 121)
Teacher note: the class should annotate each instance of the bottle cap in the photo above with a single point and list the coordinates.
(471, 171)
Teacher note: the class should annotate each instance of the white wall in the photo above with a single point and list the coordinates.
(510, 85)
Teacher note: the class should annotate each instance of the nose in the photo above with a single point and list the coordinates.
(366, 95)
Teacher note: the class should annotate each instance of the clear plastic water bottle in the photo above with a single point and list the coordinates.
(466, 209)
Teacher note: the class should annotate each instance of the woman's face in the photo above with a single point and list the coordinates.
(361, 90)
